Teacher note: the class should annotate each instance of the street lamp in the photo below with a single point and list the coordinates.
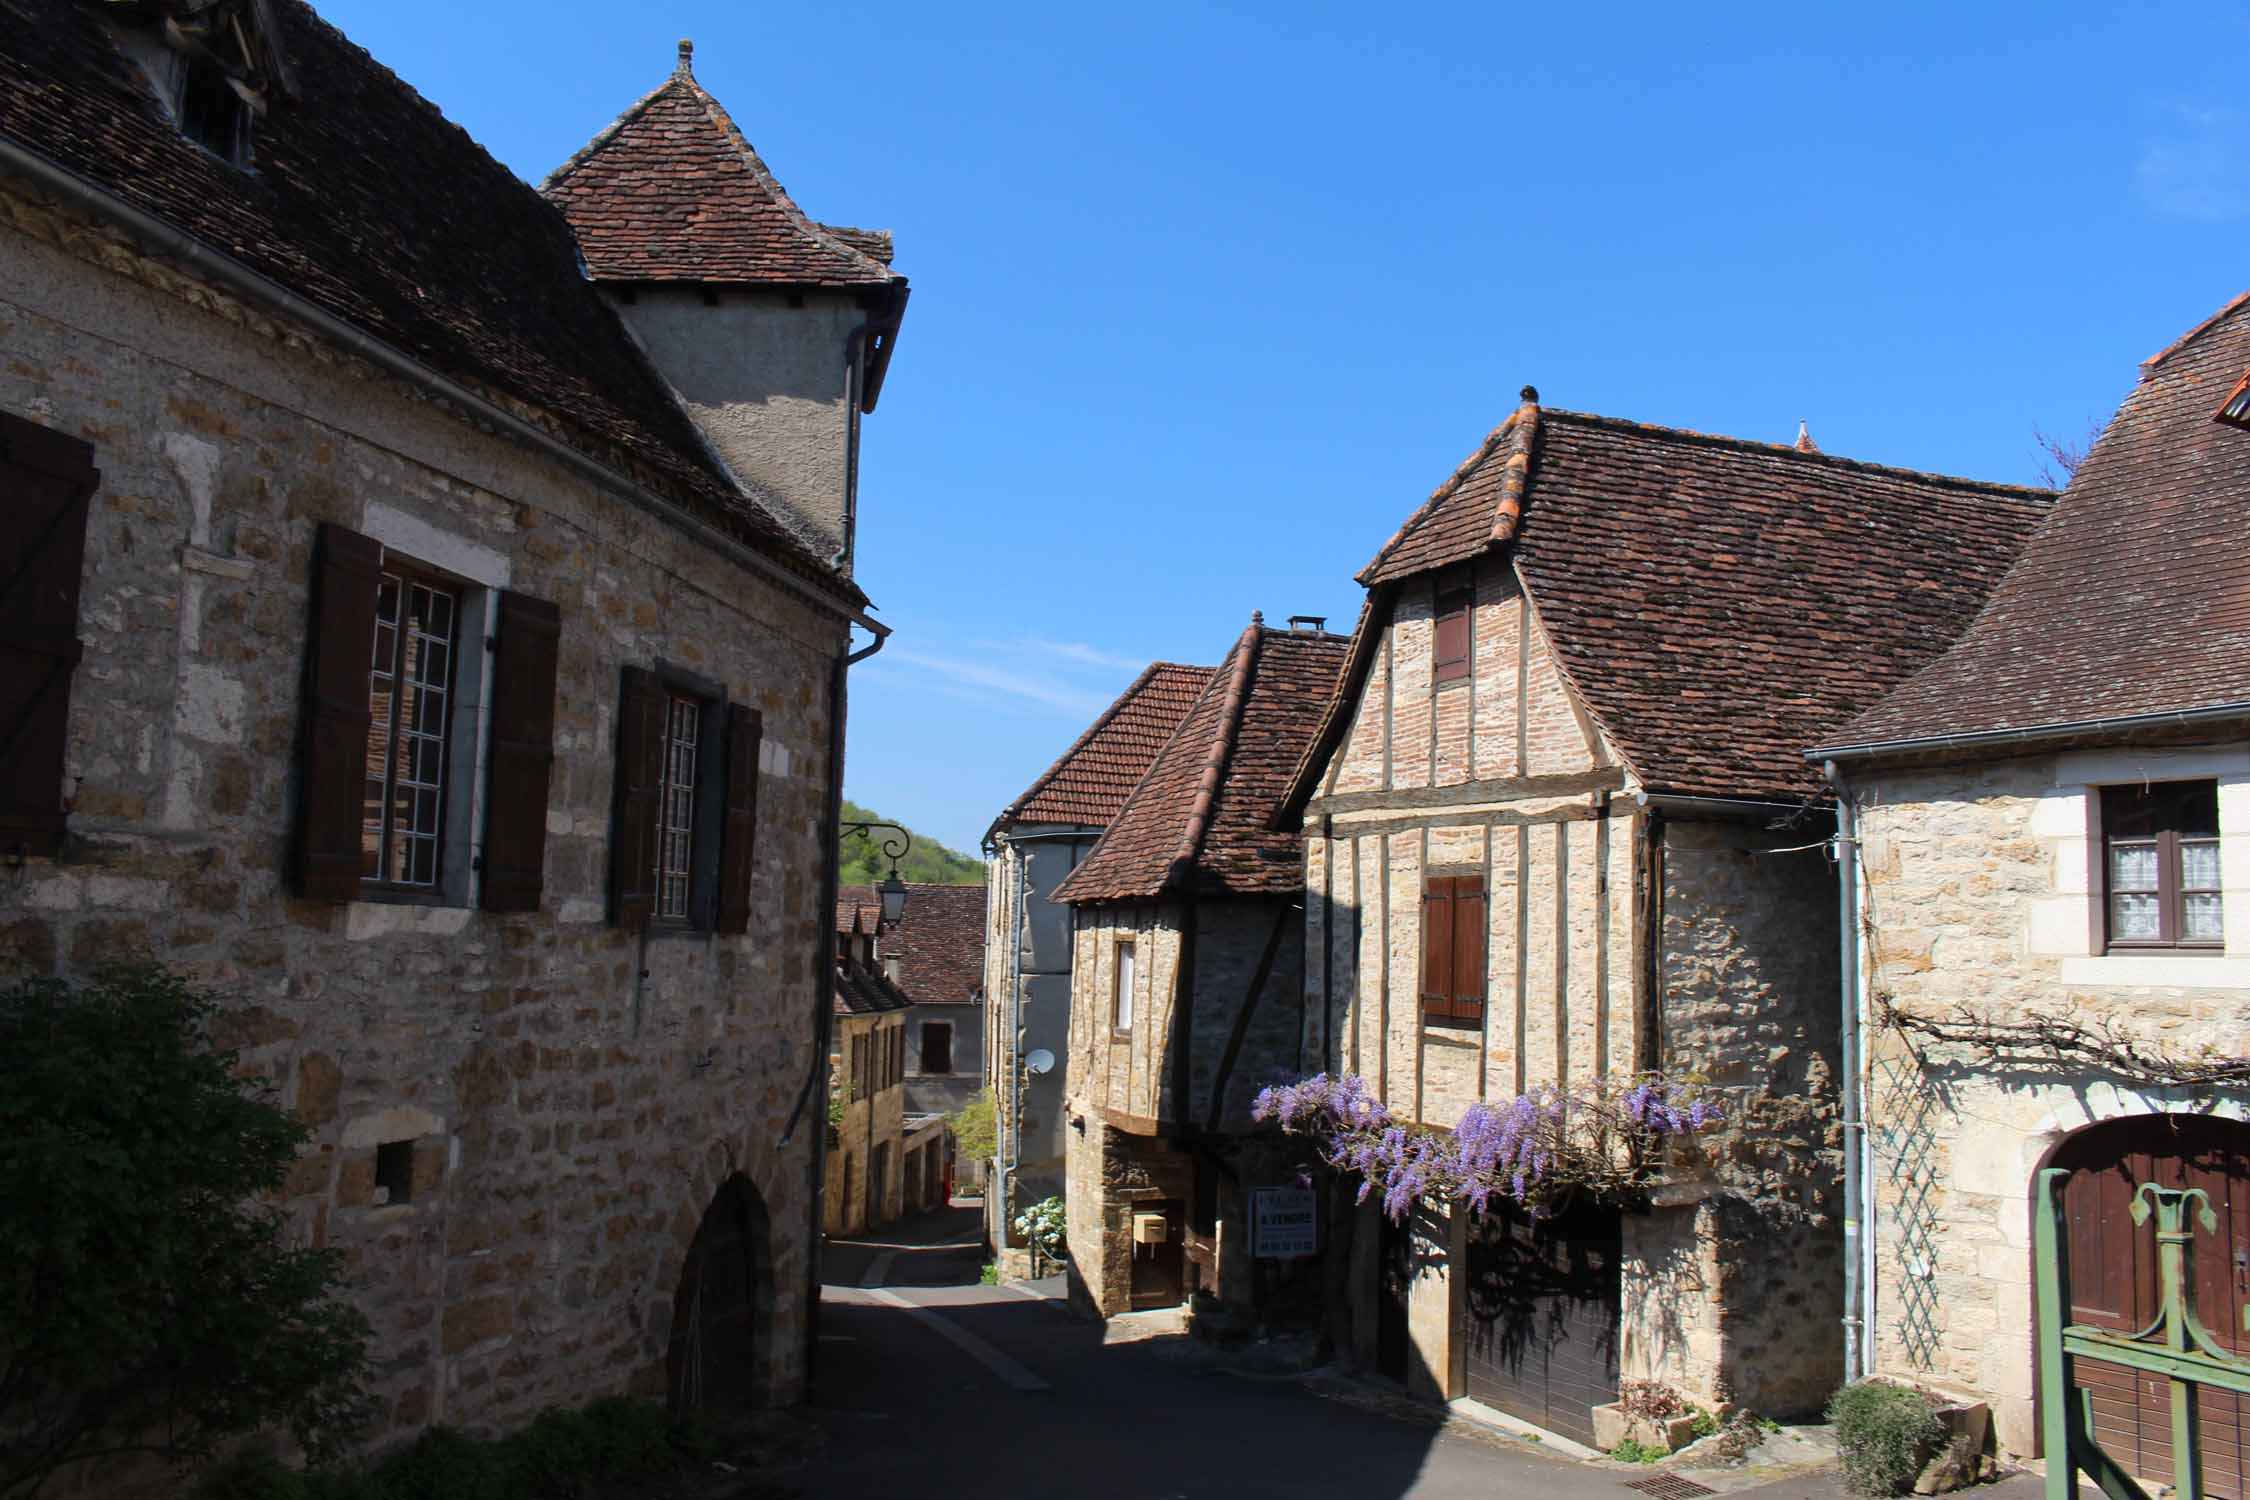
(892, 890)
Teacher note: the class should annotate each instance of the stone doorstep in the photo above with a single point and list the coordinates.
(1136, 1327)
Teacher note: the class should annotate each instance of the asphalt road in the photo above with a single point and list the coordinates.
(930, 1386)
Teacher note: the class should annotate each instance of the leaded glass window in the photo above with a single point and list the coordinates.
(675, 808)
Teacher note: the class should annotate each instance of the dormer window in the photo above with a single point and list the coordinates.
(213, 68)
(2235, 411)
(210, 112)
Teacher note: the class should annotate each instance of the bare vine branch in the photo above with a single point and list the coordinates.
(2054, 1040)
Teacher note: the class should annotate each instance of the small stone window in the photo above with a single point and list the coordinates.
(2159, 873)
(937, 1047)
(1121, 990)
(394, 1171)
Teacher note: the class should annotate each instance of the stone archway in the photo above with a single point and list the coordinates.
(2113, 1282)
(719, 1359)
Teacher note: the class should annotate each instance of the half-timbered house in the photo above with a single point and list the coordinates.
(1558, 831)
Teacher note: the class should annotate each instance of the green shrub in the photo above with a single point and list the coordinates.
(1707, 1423)
(1882, 1433)
(990, 1275)
(155, 1301)
(447, 1464)
(253, 1475)
(1634, 1451)
(976, 1130)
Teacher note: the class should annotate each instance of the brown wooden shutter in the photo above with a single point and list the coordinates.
(1449, 656)
(332, 798)
(1468, 948)
(640, 771)
(738, 842)
(523, 753)
(46, 481)
(1437, 947)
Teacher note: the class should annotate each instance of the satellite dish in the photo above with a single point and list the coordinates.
(1038, 1061)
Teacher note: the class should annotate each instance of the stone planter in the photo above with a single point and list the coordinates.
(1956, 1460)
(1612, 1426)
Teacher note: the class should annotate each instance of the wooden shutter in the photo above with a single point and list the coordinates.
(640, 770)
(738, 841)
(1468, 948)
(332, 797)
(1437, 947)
(523, 753)
(46, 480)
(1450, 654)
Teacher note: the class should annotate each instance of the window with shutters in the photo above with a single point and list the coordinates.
(1453, 955)
(46, 481)
(685, 829)
(429, 740)
(2159, 874)
(1449, 657)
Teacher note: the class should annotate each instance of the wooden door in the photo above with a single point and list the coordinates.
(2113, 1280)
(1543, 1305)
(720, 1309)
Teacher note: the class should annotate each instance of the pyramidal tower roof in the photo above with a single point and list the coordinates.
(671, 191)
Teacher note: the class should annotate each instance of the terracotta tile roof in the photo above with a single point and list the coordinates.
(368, 203)
(1201, 818)
(938, 941)
(671, 191)
(1717, 604)
(2133, 599)
(857, 909)
(1090, 781)
(861, 990)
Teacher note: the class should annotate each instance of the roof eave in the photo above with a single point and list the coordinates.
(1978, 739)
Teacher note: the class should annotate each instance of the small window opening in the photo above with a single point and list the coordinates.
(212, 114)
(394, 1171)
(2235, 411)
(1450, 659)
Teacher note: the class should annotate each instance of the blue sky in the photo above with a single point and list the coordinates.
(1206, 299)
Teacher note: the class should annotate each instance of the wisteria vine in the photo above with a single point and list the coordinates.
(1604, 1137)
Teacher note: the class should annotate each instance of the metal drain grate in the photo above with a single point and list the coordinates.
(1671, 1487)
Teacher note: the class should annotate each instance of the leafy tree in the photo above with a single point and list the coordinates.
(148, 1301)
(928, 862)
(976, 1133)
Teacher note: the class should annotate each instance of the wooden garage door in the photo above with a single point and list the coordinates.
(1542, 1316)
(2113, 1280)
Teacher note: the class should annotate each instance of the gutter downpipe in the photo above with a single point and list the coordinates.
(194, 255)
(1858, 1325)
(824, 981)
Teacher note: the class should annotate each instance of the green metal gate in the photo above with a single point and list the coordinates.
(2175, 1345)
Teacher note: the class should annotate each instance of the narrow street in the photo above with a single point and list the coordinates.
(931, 1385)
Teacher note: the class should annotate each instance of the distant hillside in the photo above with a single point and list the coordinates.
(929, 861)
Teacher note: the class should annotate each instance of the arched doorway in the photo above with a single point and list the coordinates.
(722, 1311)
(2113, 1280)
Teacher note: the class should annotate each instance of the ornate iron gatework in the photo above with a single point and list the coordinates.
(2176, 1345)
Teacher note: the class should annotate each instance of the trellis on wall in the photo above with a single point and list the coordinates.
(1906, 1149)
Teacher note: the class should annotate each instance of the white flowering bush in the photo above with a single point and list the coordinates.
(1041, 1225)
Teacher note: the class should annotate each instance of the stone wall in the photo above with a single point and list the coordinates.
(1976, 894)
(572, 1117)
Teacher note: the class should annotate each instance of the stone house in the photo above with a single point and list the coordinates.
(1187, 988)
(934, 953)
(390, 646)
(2054, 827)
(1558, 832)
(867, 1180)
(1035, 842)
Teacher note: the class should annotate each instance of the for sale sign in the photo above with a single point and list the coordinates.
(1284, 1222)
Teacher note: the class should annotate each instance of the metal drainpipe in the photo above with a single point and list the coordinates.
(824, 980)
(1856, 1327)
(854, 344)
